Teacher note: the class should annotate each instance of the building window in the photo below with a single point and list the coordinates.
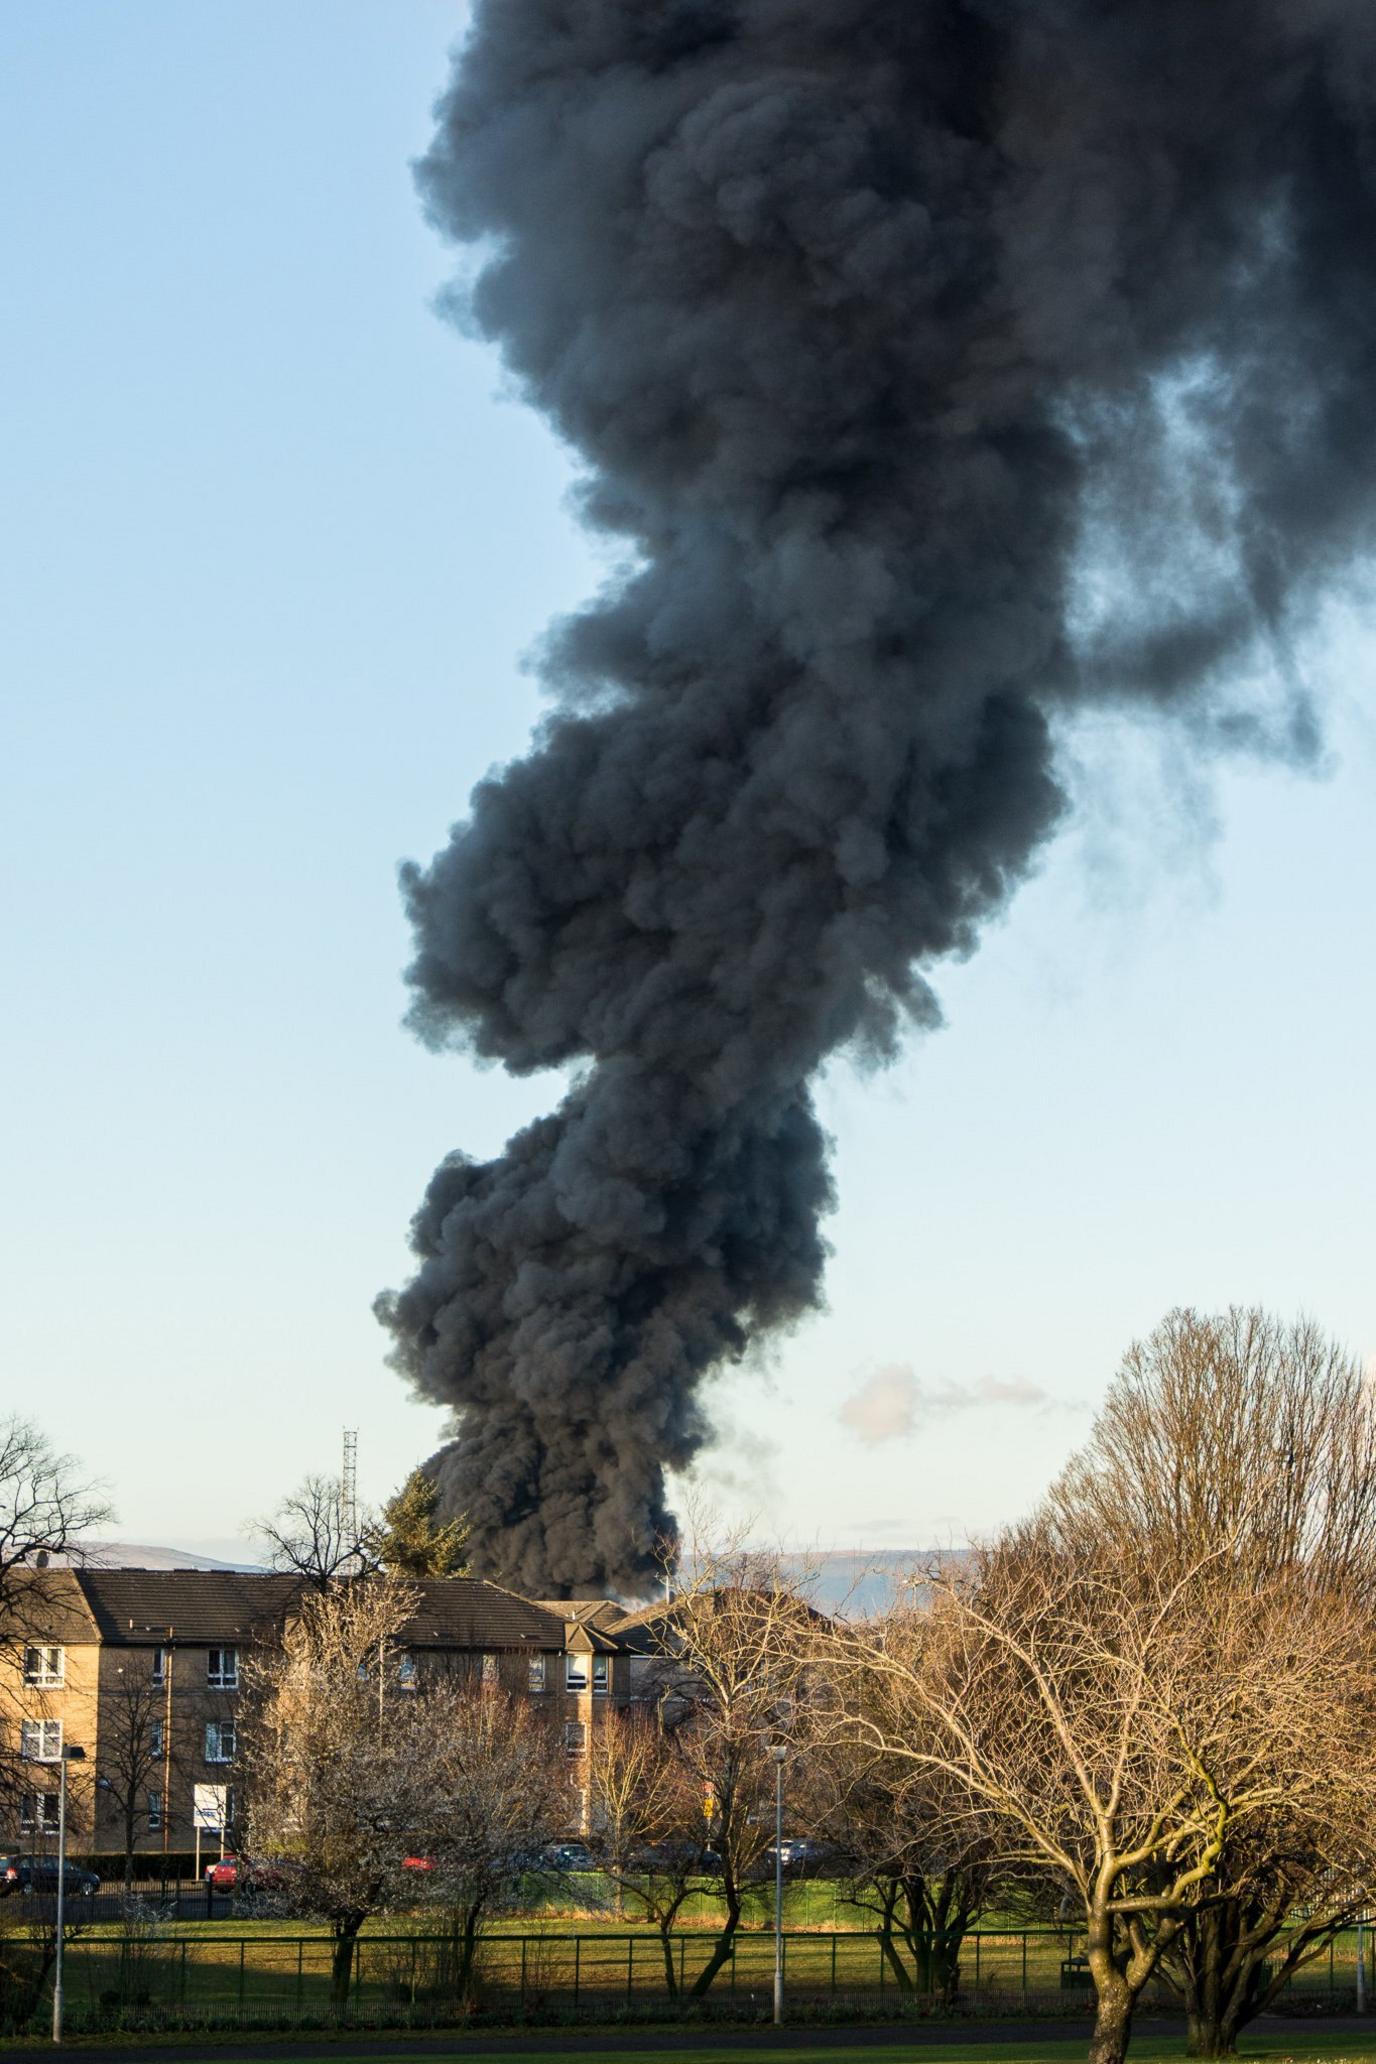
(40, 1741)
(155, 1813)
(601, 1678)
(219, 1741)
(44, 1665)
(222, 1669)
(576, 1672)
(535, 1673)
(155, 1742)
(575, 1737)
(406, 1672)
(159, 1672)
(38, 1813)
(491, 1673)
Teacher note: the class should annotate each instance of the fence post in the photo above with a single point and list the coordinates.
(682, 1945)
(630, 1968)
(523, 1974)
(181, 1981)
(1024, 1970)
(241, 1974)
(833, 1964)
(577, 1967)
(879, 1945)
(300, 1971)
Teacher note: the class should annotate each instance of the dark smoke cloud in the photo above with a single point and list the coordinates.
(863, 316)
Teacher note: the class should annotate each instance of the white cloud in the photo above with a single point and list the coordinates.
(890, 1404)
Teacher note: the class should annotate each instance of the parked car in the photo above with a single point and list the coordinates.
(674, 1856)
(30, 1875)
(806, 1856)
(569, 1856)
(246, 1876)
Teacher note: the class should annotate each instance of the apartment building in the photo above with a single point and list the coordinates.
(141, 1670)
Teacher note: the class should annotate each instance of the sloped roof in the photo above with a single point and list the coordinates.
(46, 1604)
(136, 1608)
(468, 1612)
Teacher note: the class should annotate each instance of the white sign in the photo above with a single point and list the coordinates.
(208, 1808)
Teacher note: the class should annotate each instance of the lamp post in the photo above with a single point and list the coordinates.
(780, 1756)
(68, 1756)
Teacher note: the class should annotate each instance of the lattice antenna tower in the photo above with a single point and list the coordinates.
(348, 1483)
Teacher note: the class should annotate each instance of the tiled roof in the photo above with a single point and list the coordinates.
(135, 1608)
(468, 1612)
(47, 1605)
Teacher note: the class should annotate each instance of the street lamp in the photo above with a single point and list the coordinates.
(72, 1755)
(780, 1756)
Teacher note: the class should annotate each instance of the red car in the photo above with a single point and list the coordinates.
(223, 1874)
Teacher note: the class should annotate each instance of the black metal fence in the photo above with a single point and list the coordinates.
(227, 1980)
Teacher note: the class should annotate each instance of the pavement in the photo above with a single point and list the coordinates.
(595, 2043)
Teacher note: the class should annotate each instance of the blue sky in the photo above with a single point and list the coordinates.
(274, 544)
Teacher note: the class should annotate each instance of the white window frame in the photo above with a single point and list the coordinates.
(41, 1732)
(157, 1669)
(601, 1675)
(155, 1813)
(575, 1673)
(224, 1675)
(157, 1746)
(535, 1673)
(491, 1672)
(38, 1813)
(45, 1664)
(575, 1738)
(406, 1670)
(215, 1732)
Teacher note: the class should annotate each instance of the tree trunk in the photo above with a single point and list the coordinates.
(723, 1945)
(1221, 1961)
(888, 1948)
(465, 1939)
(1114, 1997)
(666, 1945)
(1112, 2024)
(342, 1959)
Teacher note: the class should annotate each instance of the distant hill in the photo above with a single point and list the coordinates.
(134, 1555)
(857, 1581)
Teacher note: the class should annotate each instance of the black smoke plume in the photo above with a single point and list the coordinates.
(945, 365)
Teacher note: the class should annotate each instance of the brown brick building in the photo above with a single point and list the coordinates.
(141, 1669)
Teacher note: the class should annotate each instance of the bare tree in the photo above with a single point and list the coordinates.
(317, 1535)
(914, 1856)
(1241, 1427)
(327, 1761)
(1110, 1723)
(733, 1647)
(134, 1755)
(650, 1818)
(47, 1506)
(493, 1787)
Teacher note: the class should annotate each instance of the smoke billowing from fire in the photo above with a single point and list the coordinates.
(863, 315)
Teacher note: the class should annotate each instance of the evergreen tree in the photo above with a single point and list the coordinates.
(409, 1541)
